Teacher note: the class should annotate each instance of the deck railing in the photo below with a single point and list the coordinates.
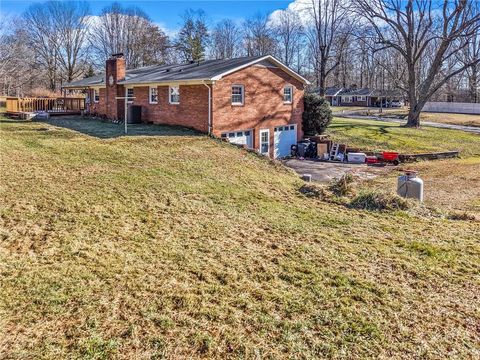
(51, 105)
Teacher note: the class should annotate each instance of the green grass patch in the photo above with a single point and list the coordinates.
(378, 135)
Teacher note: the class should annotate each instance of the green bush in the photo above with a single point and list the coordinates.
(316, 115)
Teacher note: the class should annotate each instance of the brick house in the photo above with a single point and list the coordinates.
(254, 101)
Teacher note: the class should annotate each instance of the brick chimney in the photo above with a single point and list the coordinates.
(115, 72)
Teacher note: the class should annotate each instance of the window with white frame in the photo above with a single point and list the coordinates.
(174, 95)
(361, 98)
(346, 99)
(288, 94)
(130, 95)
(237, 94)
(96, 95)
(153, 95)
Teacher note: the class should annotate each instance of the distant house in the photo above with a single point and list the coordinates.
(252, 101)
(361, 97)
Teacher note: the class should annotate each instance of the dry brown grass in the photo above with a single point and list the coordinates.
(181, 247)
(452, 185)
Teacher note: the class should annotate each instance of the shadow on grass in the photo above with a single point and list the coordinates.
(107, 130)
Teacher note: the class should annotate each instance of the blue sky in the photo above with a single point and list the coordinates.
(167, 13)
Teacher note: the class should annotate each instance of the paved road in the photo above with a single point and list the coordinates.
(471, 129)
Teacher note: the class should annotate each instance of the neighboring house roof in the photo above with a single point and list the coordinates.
(333, 91)
(208, 70)
(386, 93)
(356, 92)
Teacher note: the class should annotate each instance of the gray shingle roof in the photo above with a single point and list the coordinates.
(205, 70)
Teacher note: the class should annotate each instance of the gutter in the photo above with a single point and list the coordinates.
(209, 108)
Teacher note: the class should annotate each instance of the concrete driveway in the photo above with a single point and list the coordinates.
(328, 171)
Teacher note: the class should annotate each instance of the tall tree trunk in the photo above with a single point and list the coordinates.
(322, 78)
(413, 116)
(473, 85)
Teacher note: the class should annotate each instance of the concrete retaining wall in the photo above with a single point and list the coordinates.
(452, 107)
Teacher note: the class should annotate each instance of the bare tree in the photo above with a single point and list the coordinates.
(426, 36)
(17, 70)
(71, 28)
(259, 38)
(226, 39)
(43, 38)
(469, 54)
(289, 31)
(129, 31)
(328, 36)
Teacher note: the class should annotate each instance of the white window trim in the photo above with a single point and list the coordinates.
(170, 95)
(260, 142)
(344, 99)
(243, 95)
(129, 100)
(291, 94)
(96, 91)
(150, 95)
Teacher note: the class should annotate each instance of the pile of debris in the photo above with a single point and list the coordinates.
(321, 148)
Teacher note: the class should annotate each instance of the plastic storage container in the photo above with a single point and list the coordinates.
(357, 158)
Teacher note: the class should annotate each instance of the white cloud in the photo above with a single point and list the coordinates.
(171, 33)
(303, 8)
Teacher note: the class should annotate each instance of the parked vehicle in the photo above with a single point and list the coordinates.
(396, 103)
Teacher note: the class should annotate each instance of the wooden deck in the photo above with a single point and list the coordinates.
(53, 106)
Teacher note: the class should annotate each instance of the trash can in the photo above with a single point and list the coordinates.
(134, 115)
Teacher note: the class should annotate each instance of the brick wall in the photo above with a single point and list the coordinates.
(115, 67)
(263, 104)
(192, 111)
(97, 108)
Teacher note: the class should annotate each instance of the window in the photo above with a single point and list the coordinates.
(237, 95)
(346, 99)
(287, 94)
(174, 95)
(96, 95)
(130, 95)
(264, 141)
(153, 95)
(361, 98)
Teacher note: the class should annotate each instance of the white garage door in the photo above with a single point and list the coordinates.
(284, 138)
(240, 137)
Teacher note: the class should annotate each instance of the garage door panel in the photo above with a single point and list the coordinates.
(240, 137)
(284, 138)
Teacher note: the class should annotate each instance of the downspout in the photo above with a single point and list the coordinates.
(209, 108)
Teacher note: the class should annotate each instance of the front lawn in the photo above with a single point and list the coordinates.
(181, 246)
(378, 135)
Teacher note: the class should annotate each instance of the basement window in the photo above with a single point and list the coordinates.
(287, 94)
(96, 95)
(130, 95)
(153, 95)
(237, 94)
(174, 95)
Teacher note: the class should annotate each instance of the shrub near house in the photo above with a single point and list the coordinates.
(252, 101)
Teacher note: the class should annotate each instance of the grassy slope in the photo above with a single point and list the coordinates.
(178, 247)
(378, 135)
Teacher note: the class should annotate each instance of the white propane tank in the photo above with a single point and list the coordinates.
(410, 186)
